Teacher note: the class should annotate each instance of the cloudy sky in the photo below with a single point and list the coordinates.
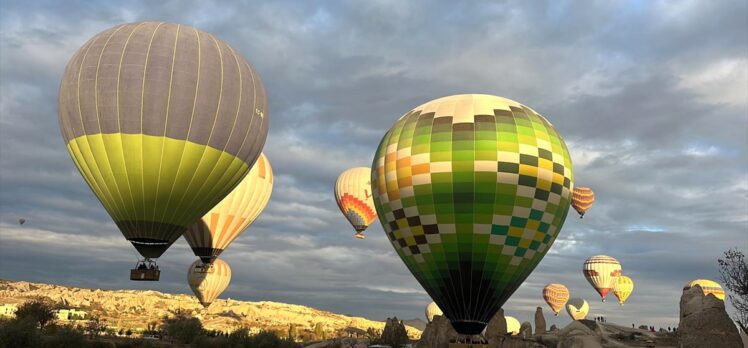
(651, 97)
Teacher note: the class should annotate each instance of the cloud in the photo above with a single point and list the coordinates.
(650, 96)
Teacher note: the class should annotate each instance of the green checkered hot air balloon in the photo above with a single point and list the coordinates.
(472, 190)
(162, 120)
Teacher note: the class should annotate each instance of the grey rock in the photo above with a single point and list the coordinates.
(496, 328)
(437, 334)
(548, 340)
(704, 322)
(553, 328)
(525, 330)
(539, 321)
(580, 334)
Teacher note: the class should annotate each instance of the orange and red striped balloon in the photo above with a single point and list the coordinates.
(582, 200)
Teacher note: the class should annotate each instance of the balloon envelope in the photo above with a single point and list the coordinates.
(162, 121)
(432, 310)
(577, 308)
(353, 195)
(623, 288)
(602, 272)
(208, 281)
(213, 233)
(556, 295)
(582, 199)
(708, 287)
(471, 190)
(512, 325)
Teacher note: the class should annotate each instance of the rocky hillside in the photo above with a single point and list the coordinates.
(136, 309)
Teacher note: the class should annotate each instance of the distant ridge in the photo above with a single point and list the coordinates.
(135, 309)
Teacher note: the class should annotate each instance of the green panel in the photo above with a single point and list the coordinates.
(154, 187)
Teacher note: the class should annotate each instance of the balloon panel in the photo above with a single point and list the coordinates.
(472, 191)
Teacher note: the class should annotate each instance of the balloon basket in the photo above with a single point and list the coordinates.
(204, 268)
(360, 235)
(146, 270)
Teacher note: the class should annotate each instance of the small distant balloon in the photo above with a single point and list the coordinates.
(21, 221)
(577, 308)
(353, 195)
(708, 287)
(623, 288)
(582, 200)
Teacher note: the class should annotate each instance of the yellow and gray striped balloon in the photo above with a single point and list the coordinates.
(162, 120)
(213, 233)
(208, 281)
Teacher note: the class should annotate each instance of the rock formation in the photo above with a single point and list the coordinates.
(525, 330)
(704, 322)
(539, 321)
(496, 328)
(134, 309)
(437, 334)
(579, 335)
(553, 328)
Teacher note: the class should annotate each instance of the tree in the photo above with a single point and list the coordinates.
(733, 271)
(182, 327)
(95, 327)
(39, 310)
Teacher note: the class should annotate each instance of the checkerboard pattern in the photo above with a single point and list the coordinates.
(472, 190)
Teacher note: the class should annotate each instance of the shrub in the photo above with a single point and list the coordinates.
(19, 332)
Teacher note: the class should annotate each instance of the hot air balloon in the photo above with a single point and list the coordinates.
(21, 221)
(213, 233)
(623, 288)
(432, 310)
(471, 190)
(577, 308)
(162, 121)
(512, 325)
(708, 287)
(556, 296)
(208, 281)
(353, 194)
(602, 272)
(582, 200)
